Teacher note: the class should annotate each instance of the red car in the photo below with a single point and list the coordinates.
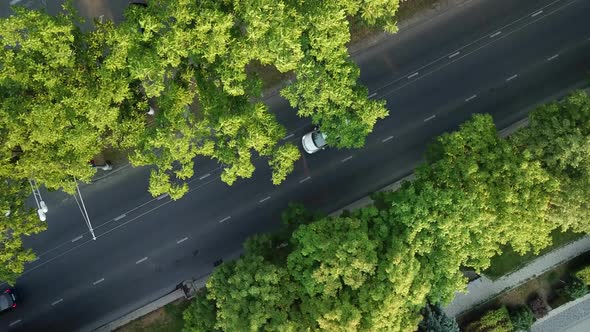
(7, 300)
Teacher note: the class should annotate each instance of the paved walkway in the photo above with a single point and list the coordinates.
(571, 317)
(484, 289)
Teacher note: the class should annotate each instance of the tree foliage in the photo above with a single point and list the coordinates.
(558, 136)
(16, 221)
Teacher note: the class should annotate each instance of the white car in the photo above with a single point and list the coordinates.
(314, 141)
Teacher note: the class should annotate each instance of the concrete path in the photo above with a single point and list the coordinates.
(570, 317)
(484, 289)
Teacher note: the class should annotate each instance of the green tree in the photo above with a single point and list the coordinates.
(558, 136)
(56, 111)
(511, 191)
(435, 320)
(200, 315)
(16, 221)
(252, 295)
(189, 60)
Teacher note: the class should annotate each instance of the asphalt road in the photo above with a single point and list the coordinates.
(494, 56)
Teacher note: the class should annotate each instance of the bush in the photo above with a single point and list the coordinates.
(539, 307)
(575, 288)
(584, 275)
(522, 318)
(493, 321)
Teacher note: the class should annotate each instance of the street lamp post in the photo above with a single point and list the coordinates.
(41, 206)
(82, 207)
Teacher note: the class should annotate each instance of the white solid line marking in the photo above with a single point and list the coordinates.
(470, 98)
(553, 57)
(162, 196)
(413, 75)
(288, 136)
(346, 159)
(454, 54)
(303, 180)
(387, 139)
(120, 217)
(511, 77)
(205, 176)
(98, 281)
(77, 238)
(264, 199)
(141, 260)
(225, 219)
(182, 240)
(497, 33)
(430, 118)
(15, 322)
(373, 94)
(537, 13)
(56, 302)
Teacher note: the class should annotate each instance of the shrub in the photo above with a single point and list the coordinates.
(493, 321)
(575, 288)
(584, 275)
(522, 318)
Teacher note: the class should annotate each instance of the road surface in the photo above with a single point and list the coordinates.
(494, 56)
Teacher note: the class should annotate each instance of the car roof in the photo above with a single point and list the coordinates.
(5, 301)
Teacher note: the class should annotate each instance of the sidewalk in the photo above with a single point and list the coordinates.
(484, 289)
(571, 317)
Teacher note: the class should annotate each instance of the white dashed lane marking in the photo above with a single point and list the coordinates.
(204, 176)
(430, 118)
(470, 98)
(413, 75)
(264, 199)
(511, 77)
(387, 139)
(57, 302)
(182, 240)
(15, 322)
(120, 217)
(141, 260)
(454, 54)
(495, 34)
(346, 159)
(77, 238)
(98, 281)
(225, 219)
(303, 180)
